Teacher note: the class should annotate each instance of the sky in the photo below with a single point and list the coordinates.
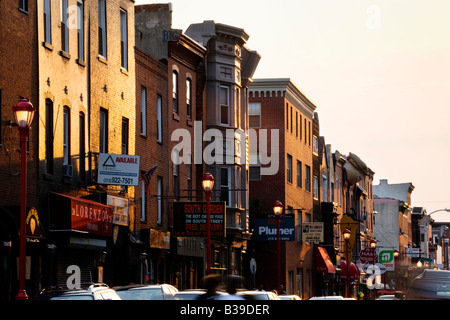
(378, 72)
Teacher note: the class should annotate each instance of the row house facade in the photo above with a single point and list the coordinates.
(278, 106)
(229, 66)
(179, 108)
(77, 68)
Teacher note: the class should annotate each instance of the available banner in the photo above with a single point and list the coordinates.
(266, 229)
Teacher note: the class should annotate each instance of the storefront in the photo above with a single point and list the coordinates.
(82, 232)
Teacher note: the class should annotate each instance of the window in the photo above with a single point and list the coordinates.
(103, 131)
(66, 139)
(143, 111)
(124, 39)
(307, 178)
(175, 91)
(189, 97)
(291, 119)
(315, 145)
(299, 174)
(159, 208)
(1, 140)
(289, 168)
(48, 136)
(225, 185)
(47, 22)
(125, 135)
(102, 28)
(143, 200)
(287, 117)
(80, 29)
(189, 178)
(224, 104)
(176, 174)
(255, 173)
(238, 187)
(23, 5)
(82, 146)
(316, 187)
(64, 25)
(296, 124)
(254, 114)
(159, 118)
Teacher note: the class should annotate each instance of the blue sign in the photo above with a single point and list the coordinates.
(266, 229)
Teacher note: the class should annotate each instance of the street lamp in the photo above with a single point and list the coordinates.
(278, 210)
(208, 184)
(23, 115)
(347, 235)
(373, 245)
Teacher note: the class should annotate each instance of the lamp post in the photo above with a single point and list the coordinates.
(278, 210)
(207, 184)
(23, 114)
(396, 261)
(373, 245)
(347, 235)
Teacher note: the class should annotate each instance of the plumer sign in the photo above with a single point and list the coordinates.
(266, 229)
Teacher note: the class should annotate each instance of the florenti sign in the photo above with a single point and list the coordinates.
(189, 219)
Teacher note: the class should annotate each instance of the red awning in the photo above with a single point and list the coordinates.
(354, 271)
(323, 261)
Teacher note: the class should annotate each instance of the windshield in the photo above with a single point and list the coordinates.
(141, 294)
(74, 297)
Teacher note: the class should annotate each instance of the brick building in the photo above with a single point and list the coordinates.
(182, 61)
(18, 78)
(278, 105)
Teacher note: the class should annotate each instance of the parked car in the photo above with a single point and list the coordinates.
(430, 285)
(258, 295)
(193, 294)
(388, 297)
(98, 291)
(289, 297)
(146, 292)
(327, 298)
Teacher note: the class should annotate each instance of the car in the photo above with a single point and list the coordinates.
(193, 294)
(430, 285)
(146, 292)
(289, 297)
(327, 298)
(258, 295)
(388, 297)
(97, 291)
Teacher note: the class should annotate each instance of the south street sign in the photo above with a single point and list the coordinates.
(189, 219)
(266, 229)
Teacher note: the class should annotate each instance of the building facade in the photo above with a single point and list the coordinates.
(278, 106)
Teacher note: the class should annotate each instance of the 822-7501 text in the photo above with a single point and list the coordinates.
(118, 180)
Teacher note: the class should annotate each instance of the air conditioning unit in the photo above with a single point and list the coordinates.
(67, 170)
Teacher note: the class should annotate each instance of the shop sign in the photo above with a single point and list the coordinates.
(159, 239)
(120, 209)
(91, 217)
(266, 229)
(33, 225)
(118, 169)
(312, 232)
(189, 219)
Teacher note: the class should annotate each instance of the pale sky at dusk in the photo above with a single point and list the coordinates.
(377, 70)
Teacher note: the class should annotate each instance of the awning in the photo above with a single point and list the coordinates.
(354, 271)
(323, 261)
(81, 215)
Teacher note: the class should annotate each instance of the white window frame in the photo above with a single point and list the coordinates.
(254, 110)
(224, 104)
